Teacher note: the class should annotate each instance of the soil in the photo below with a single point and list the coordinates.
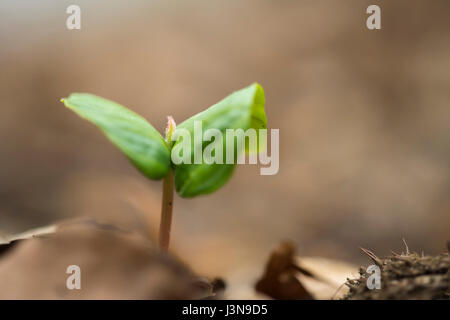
(405, 276)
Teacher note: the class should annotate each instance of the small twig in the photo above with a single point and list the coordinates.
(406, 245)
(372, 256)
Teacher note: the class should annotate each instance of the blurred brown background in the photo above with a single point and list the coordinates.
(364, 119)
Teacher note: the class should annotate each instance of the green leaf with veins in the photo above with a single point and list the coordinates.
(243, 109)
(132, 134)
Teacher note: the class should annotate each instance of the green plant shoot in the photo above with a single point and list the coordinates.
(151, 153)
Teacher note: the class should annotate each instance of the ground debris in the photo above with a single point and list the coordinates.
(405, 276)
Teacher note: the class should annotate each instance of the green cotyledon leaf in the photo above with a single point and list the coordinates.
(243, 109)
(132, 134)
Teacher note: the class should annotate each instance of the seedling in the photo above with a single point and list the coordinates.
(151, 153)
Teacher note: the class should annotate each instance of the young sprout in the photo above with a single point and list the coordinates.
(151, 154)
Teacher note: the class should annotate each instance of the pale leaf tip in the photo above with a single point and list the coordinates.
(170, 129)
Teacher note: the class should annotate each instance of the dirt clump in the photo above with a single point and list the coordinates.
(404, 276)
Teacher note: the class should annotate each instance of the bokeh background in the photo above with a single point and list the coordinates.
(364, 120)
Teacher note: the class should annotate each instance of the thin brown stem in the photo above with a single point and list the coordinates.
(166, 211)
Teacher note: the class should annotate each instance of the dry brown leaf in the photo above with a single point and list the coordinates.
(290, 277)
(279, 280)
(114, 265)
